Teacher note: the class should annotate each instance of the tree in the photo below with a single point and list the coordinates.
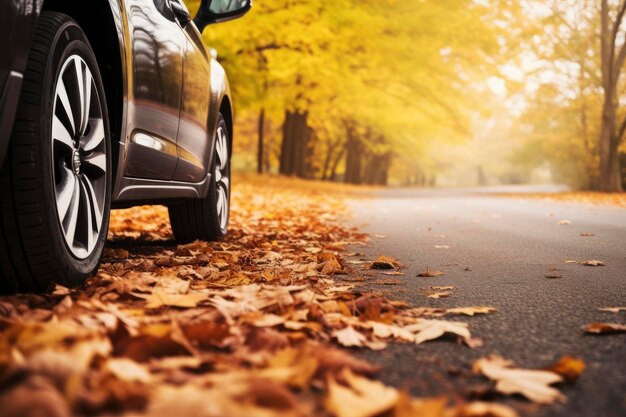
(613, 53)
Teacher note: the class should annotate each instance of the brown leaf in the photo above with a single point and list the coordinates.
(604, 328)
(349, 337)
(431, 273)
(532, 384)
(385, 262)
(470, 311)
(484, 409)
(569, 367)
(360, 397)
(159, 299)
(333, 361)
(612, 309)
(441, 294)
(592, 262)
(433, 329)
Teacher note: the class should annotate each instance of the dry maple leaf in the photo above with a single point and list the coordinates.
(349, 337)
(442, 294)
(592, 262)
(431, 273)
(159, 299)
(612, 309)
(385, 262)
(433, 329)
(485, 409)
(604, 328)
(470, 311)
(360, 397)
(532, 384)
(568, 367)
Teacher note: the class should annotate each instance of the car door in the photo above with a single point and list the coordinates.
(194, 140)
(158, 44)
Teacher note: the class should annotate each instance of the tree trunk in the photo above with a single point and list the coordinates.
(296, 149)
(335, 164)
(260, 146)
(353, 158)
(612, 60)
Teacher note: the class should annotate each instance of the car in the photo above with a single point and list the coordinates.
(107, 104)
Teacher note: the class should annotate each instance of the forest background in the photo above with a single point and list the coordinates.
(429, 92)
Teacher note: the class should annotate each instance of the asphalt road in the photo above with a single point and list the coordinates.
(499, 251)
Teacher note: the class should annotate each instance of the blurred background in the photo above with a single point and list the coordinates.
(429, 92)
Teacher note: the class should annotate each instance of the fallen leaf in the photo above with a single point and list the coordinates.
(349, 337)
(532, 384)
(433, 329)
(612, 309)
(604, 328)
(553, 276)
(431, 273)
(442, 287)
(442, 247)
(385, 262)
(360, 397)
(569, 367)
(592, 262)
(484, 409)
(587, 234)
(442, 294)
(159, 299)
(564, 222)
(470, 311)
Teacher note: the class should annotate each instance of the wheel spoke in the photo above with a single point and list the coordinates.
(94, 203)
(65, 102)
(98, 160)
(88, 208)
(65, 192)
(86, 103)
(95, 136)
(80, 83)
(220, 204)
(60, 133)
(222, 149)
(72, 221)
(226, 182)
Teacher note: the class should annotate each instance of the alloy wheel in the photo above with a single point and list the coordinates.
(222, 176)
(79, 158)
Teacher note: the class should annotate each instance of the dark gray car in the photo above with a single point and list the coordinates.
(106, 103)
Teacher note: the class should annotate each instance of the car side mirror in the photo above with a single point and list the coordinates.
(216, 11)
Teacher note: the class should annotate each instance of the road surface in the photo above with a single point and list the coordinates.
(497, 252)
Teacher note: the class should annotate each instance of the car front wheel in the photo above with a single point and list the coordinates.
(56, 183)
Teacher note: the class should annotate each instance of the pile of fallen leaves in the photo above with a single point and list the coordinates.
(254, 325)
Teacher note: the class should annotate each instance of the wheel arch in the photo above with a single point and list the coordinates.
(226, 109)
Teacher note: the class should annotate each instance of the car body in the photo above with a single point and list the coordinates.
(155, 159)
(166, 96)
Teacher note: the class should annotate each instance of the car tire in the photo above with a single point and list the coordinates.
(55, 185)
(207, 218)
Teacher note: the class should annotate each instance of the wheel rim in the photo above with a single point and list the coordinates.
(79, 158)
(222, 176)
